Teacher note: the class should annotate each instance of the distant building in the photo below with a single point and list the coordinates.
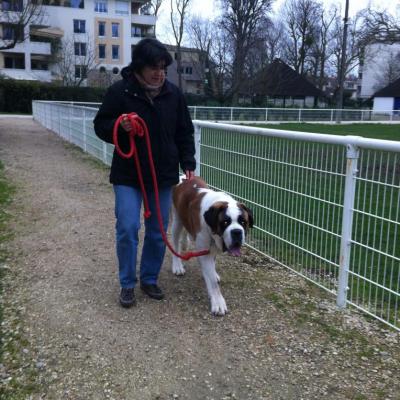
(106, 28)
(388, 98)
(192, 68)
(280, 85)
(378, 57)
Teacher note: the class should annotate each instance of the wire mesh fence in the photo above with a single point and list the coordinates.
(327, 207)
(260, 115)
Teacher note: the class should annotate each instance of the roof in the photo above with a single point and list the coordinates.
(391, 90)
(278, 79)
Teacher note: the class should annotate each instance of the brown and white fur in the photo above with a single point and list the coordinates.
(214, 221)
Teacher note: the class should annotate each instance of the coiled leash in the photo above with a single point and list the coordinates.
(139, 128)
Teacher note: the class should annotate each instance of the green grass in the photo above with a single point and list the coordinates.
(12, 341)
(374, 131)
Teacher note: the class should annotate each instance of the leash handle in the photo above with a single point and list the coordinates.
(139, 128)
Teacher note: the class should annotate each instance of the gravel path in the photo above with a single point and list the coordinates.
(283, 338)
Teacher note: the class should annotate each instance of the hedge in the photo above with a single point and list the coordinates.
(16, 96)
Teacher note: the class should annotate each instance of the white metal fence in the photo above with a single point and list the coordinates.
(325, 206)
(265, 115)
(260, 115)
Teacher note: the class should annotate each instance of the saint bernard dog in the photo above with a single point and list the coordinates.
(214, 221)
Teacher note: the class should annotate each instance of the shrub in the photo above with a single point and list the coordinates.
(16, 96)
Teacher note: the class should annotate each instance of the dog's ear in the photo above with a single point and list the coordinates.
(211, 216)
(249, 214)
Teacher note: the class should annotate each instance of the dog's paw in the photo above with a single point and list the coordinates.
(178, 268)
(218, 306)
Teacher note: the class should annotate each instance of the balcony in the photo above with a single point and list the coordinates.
(42, 48)
(22, 74)
(149, 20)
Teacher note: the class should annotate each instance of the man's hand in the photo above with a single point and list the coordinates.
(189, 175)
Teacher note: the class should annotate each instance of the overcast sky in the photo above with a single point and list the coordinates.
(205, 8)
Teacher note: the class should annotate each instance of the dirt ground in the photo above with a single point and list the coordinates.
(70, 339)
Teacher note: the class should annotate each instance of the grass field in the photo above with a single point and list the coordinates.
(375, 131)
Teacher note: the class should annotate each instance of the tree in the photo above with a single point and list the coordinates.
(355, 46)
(302, 18)
(152, 7)
(17, 16)
(378, 26)
(242, 21)
(179, 9)
(321, 50)
(74, 60)
(155, 6)
(389, 72)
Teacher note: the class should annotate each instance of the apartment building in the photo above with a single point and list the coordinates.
(192, 69)
(74, 36)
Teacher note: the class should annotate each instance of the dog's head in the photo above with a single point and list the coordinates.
(230, 222)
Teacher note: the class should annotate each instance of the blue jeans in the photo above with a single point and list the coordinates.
(128, 201)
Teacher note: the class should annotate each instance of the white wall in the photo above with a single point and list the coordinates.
(376, 59)
(383, 103)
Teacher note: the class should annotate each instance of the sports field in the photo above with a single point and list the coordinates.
(375, 131)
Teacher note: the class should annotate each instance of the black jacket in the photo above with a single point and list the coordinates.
(170, 129)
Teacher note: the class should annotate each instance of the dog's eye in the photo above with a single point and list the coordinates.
(241, 221)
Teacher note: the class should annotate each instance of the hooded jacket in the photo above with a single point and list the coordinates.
(170, 128)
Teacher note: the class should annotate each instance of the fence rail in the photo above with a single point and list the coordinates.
(265, 115)
(327, 207)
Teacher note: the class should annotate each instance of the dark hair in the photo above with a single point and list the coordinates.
(149, 52)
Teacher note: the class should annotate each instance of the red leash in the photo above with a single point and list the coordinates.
(139, 128)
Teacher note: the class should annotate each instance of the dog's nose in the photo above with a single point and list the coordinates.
(237, 235)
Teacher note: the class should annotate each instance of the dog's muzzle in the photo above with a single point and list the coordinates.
(236, 242)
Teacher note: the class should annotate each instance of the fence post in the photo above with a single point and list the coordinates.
(352, 156)
(266, 114)
(105, 153)
(299, 114)
(331, 114)
(231, 113)
(197, 141)
(84, 131)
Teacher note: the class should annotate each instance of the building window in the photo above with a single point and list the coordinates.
(12, 5)
(122, 7)
(189, 70)
(80, 71)
(115, 29)
(14, 62)
(62, 3)
(115, 52)
(136, 31)
(102, 51)
(80, 49)
(79, 26)
(102, 28)
(100, 6)
(77, 4)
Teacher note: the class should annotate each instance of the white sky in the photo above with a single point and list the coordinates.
(205, 8)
